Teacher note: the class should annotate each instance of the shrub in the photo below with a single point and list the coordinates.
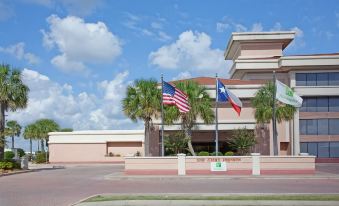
(219, 154)
(9, 165)
(137, 154)
(21, 152)
(229, 153)
(176, 143)
(242, 140)
(9, 155)
(111, 154)
(118, 155)
(203, 153)
(40, 157)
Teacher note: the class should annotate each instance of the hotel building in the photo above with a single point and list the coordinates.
(255, 55)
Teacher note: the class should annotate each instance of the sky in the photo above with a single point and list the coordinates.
(78, 56)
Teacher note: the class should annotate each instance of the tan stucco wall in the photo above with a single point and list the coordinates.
(125, 148)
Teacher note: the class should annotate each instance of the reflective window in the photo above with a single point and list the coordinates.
(303, 147)
(312, 148)
(311, 79)
(334, 149)
(322, 126)
(323, 149)
(322, 104)
(300, 79)
(334, 104)
(302, 126)
(312, 104)
(311, 127)
(333, 126)
(303, 107)
(322, 79)
(334, 78)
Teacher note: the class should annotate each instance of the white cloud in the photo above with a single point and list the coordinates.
(182, 75)
(221, 27)
(82, 111)
(257, 27)
(79, 42)
(154, 30)
(298, 42)
(18, 51)
(192, 52)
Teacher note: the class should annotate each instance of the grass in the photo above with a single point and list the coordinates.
(312, 197)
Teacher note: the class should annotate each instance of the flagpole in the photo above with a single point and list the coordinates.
(274, 122)
(162, 117)
(216, 116)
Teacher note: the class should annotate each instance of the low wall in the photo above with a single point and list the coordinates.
(234, 165)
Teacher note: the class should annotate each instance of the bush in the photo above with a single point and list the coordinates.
(242, 140)
(229, 153)
(40, 157)
(9, 155)
(219, 154)
(9, 165)
(203, 153)
(21, 152)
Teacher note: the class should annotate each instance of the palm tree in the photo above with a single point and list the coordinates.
(66, 130)
(44, 126)
(142, 102)
(200, 107)
(30, 132)
(263, 104)
(13, 129)
(13, 96)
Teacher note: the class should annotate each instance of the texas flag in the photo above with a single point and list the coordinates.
(225, 95)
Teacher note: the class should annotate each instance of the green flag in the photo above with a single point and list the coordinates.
(287, 95)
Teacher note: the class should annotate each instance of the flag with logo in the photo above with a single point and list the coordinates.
(287, 95)
(225, 95)
(173, 96)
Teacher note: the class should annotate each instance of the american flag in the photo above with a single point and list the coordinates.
(173, 96)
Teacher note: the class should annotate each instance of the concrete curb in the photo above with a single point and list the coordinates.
(15, 173)
(209, 202)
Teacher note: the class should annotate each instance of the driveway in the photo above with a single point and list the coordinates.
(68, 185)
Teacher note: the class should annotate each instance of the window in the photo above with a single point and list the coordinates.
(311, 79)
(323, 149)
(333, 126)
(300, 79)
(312, 127)
(317, 79)
(320, 149)
(322, 104)
(322, 127)
(312, 148)
(334, 149)
(302, 126)
(322, 79)
(334, 104)
(312, 104)
(303, 107)
(319, 126)
(333, 78)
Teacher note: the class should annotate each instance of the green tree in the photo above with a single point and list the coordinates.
(44, 126)
(13, 129)
(200, 107)
(66, 130)
(13, 96)
(263, 104)
(31, 132)
(242, 140)
(175, 144)
(142, 102)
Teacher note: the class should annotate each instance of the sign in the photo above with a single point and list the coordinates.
(218, 166)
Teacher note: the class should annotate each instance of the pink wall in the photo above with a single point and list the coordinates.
(125, 148)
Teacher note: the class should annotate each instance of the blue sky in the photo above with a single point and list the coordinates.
(78, 56)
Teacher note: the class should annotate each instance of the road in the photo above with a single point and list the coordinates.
(68, 185)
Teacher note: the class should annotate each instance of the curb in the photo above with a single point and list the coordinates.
(15, 173)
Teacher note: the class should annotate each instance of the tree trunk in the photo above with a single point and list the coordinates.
(147, 131)
(12, 142)
(42, 145)
(2, 128)
(31, 146)
(188, 134)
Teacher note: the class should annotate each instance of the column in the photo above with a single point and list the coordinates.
(181, 164)
(255, 163)
(296, 136)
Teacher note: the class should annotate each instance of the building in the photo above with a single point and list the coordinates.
(255, 55)
(95, 146)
